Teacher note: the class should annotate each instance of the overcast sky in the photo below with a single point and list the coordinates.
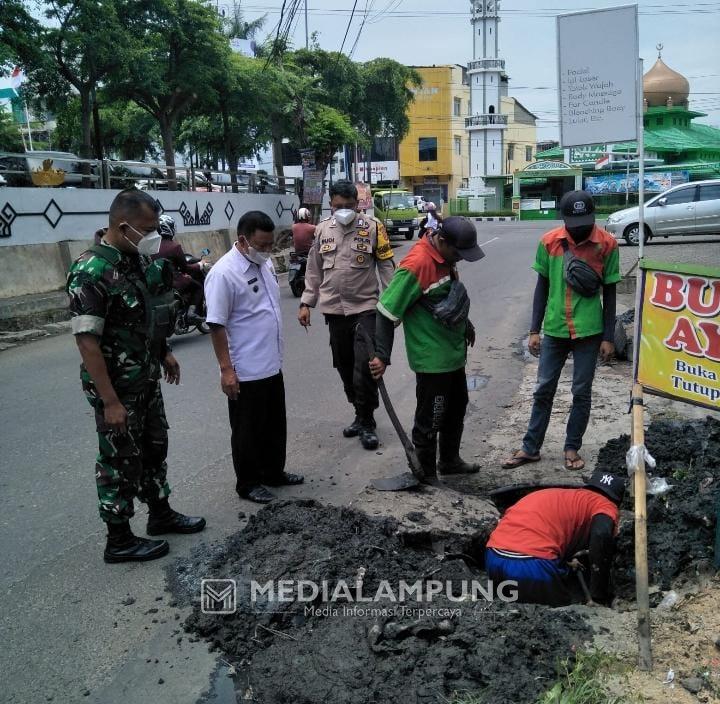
(422, 32)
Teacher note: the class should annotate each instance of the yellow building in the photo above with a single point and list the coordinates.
(520, 135)
(434, 156)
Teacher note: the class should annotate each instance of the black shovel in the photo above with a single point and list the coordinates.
(407, 480)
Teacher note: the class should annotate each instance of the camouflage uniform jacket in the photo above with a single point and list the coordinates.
(107, 301)
(344, 264)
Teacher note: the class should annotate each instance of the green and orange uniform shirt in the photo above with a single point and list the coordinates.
(431, 347)
(568, 314)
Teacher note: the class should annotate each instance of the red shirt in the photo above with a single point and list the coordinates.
(303, 234)
(551, 523)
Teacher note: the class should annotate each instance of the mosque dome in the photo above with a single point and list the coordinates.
(663, 87)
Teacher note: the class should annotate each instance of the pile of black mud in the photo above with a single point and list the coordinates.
(364, 653)
(681, 523)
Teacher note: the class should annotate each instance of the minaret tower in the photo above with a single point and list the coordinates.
(488, 82)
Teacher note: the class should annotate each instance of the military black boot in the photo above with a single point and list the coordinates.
(162, 519)
(450, 460)
(353, 430)
(368, 436)
(123, 546)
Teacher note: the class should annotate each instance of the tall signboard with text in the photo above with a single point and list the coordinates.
(597, 86)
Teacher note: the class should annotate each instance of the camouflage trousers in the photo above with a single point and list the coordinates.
(132, 465)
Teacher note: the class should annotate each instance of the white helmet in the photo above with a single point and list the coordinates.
(166, 227)
(303, 214)
(430, 206)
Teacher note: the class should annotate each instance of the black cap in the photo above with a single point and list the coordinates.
(461, 234)
(612, 485)
(577, 208)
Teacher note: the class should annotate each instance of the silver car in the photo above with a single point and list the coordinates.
(689, 209)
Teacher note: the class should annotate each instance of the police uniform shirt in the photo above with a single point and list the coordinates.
(344, 265)
(245, 299)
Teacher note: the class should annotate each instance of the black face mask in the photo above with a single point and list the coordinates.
(581, 232)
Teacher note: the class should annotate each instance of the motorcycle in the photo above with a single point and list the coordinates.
(182, 326)
(296, 273)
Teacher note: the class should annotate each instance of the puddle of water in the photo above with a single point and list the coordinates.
(477, 382)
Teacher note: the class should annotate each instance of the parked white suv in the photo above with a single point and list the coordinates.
(689, 209)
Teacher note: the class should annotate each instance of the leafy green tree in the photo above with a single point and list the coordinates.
(327, 129)
(176, 50)
(84, 39)
(337, 78)
(10, 139)
(387, 95)
(19, 35)
(244, 104)
(128, 133)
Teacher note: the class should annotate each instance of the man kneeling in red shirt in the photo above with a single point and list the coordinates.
(540, 534)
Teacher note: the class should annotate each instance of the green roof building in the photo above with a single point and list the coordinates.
(677, 149)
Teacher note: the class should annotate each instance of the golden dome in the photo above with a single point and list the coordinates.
(661, 83)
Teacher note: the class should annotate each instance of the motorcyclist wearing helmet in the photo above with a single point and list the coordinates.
(303, 232)
(187, 278)
(429, 224)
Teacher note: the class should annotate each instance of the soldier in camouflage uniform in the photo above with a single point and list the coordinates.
(123, 310)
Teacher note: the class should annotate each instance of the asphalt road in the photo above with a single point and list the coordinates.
(66, 635)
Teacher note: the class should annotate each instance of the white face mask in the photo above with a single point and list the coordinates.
(149, 245)
(344, 216)
(256, 256)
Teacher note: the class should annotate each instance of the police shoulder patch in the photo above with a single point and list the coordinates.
(383, 250)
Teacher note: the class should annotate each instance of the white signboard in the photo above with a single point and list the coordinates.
(475, 192)
(380, 171)
(598, 83)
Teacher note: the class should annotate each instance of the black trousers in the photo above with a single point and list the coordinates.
(259, 431)
(350, 357)
(441, 403)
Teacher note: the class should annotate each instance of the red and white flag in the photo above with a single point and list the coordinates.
(17, 77)
(602, 162)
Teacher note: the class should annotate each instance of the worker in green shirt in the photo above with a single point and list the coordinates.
(577, 264)
(426, 295)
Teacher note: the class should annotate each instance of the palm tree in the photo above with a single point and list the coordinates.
(235, 26)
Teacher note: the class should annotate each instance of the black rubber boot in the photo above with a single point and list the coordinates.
(162, 519)
(123, 546)
(368, 436)
(458, 466)
(353, 430)
(450, 460)
(427, 457)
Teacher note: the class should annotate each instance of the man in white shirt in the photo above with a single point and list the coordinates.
(243, 310)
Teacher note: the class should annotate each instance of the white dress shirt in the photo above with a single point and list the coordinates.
(245, 299)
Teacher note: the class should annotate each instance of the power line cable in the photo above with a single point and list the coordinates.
(352, 14)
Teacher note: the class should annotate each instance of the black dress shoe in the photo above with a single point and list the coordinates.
(286, 479)
(133, 549)
(173, 522)
(258, 494)
(353, 430)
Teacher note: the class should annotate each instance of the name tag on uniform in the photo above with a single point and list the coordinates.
(252, 281)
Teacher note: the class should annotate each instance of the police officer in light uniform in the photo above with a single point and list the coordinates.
(350, 260)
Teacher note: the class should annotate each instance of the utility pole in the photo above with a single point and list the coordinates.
(307, 36)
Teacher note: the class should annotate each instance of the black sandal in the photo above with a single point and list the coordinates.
(518, 460)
